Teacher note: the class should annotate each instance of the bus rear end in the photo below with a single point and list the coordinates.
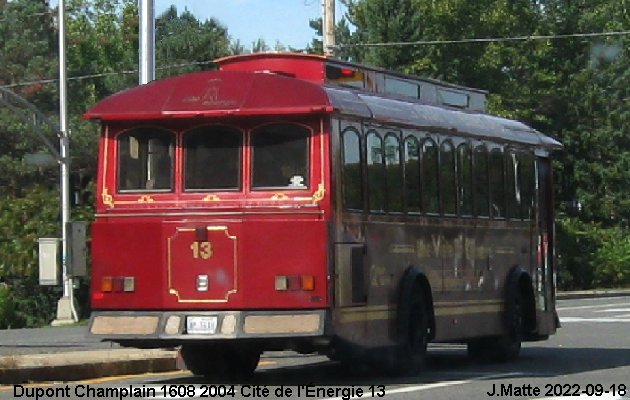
(212, 230)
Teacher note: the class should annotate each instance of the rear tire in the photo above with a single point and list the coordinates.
(412, 352)
(221, 361)
(505, 347)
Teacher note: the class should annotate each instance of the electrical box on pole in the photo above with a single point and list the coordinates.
(77, 233)
(49, 261)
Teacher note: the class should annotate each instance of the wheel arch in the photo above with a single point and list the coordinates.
(520, 281)
(414, 278)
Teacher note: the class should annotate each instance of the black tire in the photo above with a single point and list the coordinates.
(413, 349)
(505, 347)
(221, 361)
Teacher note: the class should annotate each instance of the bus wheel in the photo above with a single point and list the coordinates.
(414, 348)
(214, 361)
(505, 347)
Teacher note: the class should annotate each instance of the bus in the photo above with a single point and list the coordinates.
(292, 201)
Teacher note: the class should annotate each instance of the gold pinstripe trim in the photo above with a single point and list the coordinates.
(389, 312)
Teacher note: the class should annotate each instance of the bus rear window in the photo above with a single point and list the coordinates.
(213, 159)
(145, 160)
(280, 157)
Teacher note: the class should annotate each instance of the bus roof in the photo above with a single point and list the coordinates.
(322, 69)
(213, 94)
(239, 92)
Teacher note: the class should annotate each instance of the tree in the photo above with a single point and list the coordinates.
(575, 89)
(181, 39)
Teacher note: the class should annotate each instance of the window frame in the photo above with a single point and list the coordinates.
(423, 175)
(251, 154)
(448, 142)
(476, 177)
(241, 157)
(493, 150)
(418, 161)
(172, 151)
(383, 172)
(359, 136)
(390, 188)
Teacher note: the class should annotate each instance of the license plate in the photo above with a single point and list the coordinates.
(201, 325)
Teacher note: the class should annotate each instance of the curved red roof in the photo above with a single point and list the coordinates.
(211, 94)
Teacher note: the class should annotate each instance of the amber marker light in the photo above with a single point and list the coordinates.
(308, 282)
(107, 284)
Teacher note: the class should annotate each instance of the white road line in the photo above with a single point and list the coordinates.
(581, 319)
(418, 388)
(627, 309)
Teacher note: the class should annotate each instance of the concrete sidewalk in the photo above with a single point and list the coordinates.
(79, 365)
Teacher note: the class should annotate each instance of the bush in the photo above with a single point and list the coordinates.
(6, 307)
(612, 260)
(592, 256)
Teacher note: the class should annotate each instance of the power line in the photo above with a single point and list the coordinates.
(484, 40)
(342, 46)
(102, 75)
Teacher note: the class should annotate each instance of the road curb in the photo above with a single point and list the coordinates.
(79, 366)
(586, 294)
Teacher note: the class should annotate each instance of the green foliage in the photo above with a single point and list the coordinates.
(182, 39)
(592, 256)
(7, 308)
(577, 242)
(22, 221)
(612, 260)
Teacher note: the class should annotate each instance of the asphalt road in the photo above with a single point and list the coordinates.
(589, 355)
(48, 340)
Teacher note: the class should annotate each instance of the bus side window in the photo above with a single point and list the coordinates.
(412, 174)
(480, 174)
(497, 186)
(394, 173)
(430, 192)
(447, 178)
(464, 179)
(513, 193)
(527, 184)
(145, 160)
(375, 172)
(352, 174)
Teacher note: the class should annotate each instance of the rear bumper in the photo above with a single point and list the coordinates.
(171, 326)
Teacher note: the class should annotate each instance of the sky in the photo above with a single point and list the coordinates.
(285, 21)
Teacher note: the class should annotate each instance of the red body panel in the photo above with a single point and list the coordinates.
(246, 256)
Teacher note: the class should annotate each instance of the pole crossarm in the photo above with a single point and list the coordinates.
(25, 111)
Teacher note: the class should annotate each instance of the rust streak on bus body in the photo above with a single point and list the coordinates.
(293, 201)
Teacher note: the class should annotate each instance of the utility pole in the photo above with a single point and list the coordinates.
(328, 27)
(147, 41)
(66, 310)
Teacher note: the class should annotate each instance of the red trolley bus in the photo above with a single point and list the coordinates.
(289, 201)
